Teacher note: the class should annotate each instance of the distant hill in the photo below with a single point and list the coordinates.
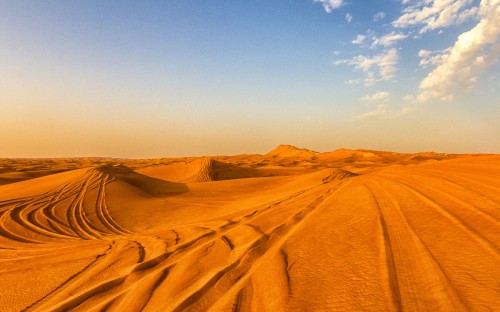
(286, 150)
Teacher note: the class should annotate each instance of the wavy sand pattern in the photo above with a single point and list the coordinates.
(292, 230)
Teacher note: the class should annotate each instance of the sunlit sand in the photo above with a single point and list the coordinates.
(293, 229)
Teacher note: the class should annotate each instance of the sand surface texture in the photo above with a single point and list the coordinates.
(291, 230)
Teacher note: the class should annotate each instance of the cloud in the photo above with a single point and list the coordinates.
(377, 17)
(348, 18)
(378, 67)
(435, 14)
(434, 58)
(385, 63)
(352, 81)
(377, 96)
(388, 40)
(371, 79)
(473, 52)
(424, 53)
(408, 98)
(330, 5)
(380, 111)
(359, 39)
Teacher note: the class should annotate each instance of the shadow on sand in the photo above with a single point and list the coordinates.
(152, 186)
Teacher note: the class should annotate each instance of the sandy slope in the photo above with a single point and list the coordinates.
(292, 230)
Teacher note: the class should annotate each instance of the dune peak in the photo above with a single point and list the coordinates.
(339, 174)
(205, 170)
(287, 150)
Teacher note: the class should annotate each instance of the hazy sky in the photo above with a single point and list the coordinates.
(176, 78)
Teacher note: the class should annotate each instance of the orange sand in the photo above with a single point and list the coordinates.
(290, 230)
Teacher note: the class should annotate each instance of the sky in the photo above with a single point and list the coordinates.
(147, 79)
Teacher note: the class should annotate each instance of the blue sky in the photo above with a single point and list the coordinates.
(174, 78)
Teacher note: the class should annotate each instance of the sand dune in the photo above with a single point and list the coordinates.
(291, 151)
(292, 230)
(200, 170)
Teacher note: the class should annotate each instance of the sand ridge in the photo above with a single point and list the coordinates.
(286, 150)
(289, 230)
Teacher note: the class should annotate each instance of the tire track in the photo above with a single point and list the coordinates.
(40, 215)
(415, 275)
(74, 217)
(462, 202)
(466, 228)
(78, 291)
(72, 277)
(389, 257)
(159, 280)
(287, 267)
(227, 241)
(141, 251)
(10, 235)
(102, 209)
(17, 216)
(486, 225)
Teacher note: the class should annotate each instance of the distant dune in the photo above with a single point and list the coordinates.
(204, 169)
(291, 151)
(290, 230)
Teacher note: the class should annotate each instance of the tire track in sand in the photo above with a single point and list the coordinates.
(389, 257)
(415, 265)
(454, 219)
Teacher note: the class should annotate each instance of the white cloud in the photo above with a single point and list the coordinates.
(388, 40)
(377, 17)
(359, 39)
(352, 81)
(424, 53)
(435, 14)
(473, 52)
(378, 67)
(330, 5)
(348, 18)
(377, 96)
(434, 58)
